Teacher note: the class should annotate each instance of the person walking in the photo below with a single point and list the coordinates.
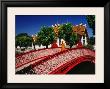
(62, 46)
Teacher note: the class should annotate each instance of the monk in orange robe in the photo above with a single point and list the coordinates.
(62, 46)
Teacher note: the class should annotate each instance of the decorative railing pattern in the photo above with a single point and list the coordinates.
(58, 60)
(34, 56)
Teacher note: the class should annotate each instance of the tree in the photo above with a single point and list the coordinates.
(66, 33)
(37, 41)
(91, 22)
(22, 34)
(73, 39)
(92, 40)
(23, 40)
(65, 29)
(46, 36)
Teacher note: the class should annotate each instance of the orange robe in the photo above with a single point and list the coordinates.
(62, 47)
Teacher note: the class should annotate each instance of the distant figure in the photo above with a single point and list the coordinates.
(62, 46)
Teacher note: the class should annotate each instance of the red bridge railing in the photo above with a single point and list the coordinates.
(36, 55)
(62, 62)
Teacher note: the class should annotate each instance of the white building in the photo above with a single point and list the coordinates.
(84, 40)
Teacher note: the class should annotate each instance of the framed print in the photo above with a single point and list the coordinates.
(54, 44)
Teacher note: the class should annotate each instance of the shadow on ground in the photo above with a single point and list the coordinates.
(83, 68)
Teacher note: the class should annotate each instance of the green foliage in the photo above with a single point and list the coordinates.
(66, 33)
(46, 36)
(73, 39)
(37, 42)
(89, 46)
(92, 40)
(23, 40)
(91, 22)
(65, 29)
(61, 32)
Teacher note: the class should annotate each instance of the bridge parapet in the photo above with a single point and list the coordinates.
(62, 60)
(34, 55)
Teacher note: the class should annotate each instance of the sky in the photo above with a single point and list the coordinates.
(31, 24)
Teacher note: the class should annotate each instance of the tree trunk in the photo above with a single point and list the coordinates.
(70, 46)
(34, 46)
(46, 46)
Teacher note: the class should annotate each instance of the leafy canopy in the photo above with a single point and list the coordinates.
(66, 33)
(23, 40)
(46, 36)
(91, 22)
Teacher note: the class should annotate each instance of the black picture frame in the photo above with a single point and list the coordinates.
(53, 3)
